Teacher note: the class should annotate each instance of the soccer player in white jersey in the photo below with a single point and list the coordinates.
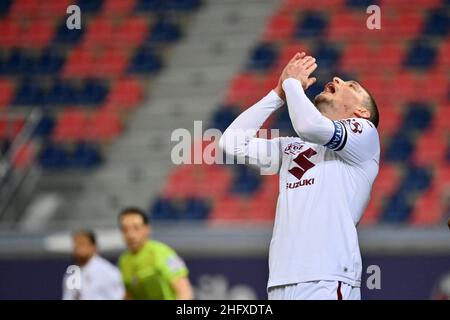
(325, 178)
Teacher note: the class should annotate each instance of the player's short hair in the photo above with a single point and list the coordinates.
(371, 105)
(88, 234)
(134, 210)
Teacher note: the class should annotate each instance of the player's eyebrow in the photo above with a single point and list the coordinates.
(357, 85)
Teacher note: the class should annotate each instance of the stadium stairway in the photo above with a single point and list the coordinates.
(194, 81)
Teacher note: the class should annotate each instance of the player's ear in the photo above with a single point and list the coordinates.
(362, 112)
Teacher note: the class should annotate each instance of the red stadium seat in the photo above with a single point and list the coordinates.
(371, 215)
(110, 64)
(410, 5)
(387, 180)
(443, 58)
(11, 32)
(103, 126)
(230, 209)
(288, 51)
(38, 34)
(132, 31)
(428, 209)
(280, 27)
(390, 118)
(118, 7)
(6, 93)
(436, 85)
(301, 5)
(100, 32)
(357, 56)
(408, 87)
(71, 126)
(441, 120)
(10, 127)
(80, 63)
(23, 9)
(53, 9)
(23, 156)
(431, 148)
(244, 90)
(389, 56)
(345, 26)
(263, 203)
(126, 93)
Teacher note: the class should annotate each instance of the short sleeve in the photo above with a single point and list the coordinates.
(172, 266)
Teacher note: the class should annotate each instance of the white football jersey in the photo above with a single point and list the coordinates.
(323, 191)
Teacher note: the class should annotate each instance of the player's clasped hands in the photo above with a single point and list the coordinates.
(300, 67)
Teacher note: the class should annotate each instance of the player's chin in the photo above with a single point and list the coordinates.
(322, 97)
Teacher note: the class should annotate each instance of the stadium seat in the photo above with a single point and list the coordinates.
(345, 26)
(7, 93)
(400, 148)
(195, 209)
(288, 51)
(300, 5)
(230, 208)
(420, 55)
(90, 6)
(430, 148)
(126, 93)
(312, 25)
(29, 94)
(357, 55)
(23, 9)
(132, 31)
(164, 31)
(100, 33)
(437, 23)
(10, 127)
(390, 118)
(38, 34)
(53, 156)
(64, 35)
(85, 156)
(262, 57)
(103, 126)
(440, 121)
(280, 27)
(80, 63)
(111, 64)
(71, 126)
(61, 93)
(10, 31)
(145, 62)
(17, 62)
(223, 117)
(406, 24)
(417, 118)
(93, 92)
(53, 9)
(327, 56)
(163, 209)
(428, 209)
(443, 58)
(44, 127)
(117, 7)
(243, 90)
(4, 7)
(246, 180)
(48, 63)
(23, 156)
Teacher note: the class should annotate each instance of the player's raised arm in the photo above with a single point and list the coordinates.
(307, 121)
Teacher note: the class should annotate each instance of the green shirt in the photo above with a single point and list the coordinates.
(148, 273)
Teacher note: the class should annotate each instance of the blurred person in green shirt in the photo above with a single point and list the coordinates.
(150, 269)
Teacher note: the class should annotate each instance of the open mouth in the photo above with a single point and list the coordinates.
(329, 87)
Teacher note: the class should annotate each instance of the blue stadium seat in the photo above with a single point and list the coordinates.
(327, 56)
(29, 93)
(311, 26)
(167, 5)
(150, 5)
(49, 62)
(418, 117)
(44, 127)
(53, 156)
(400, 148)
(64, 35)
(283, 122)
(163, 209)
(92, 93)
(86, 156)
(4, 7)
(17, 63)
(223, 117)
(145, 62)
(91, 6)
(262, 57)
(437, 23)
(358, 4)
(61, 93)
(246, 180)
(421, 55)
(398, 208)
(416, 179)
(164, 31)
(195, 209)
